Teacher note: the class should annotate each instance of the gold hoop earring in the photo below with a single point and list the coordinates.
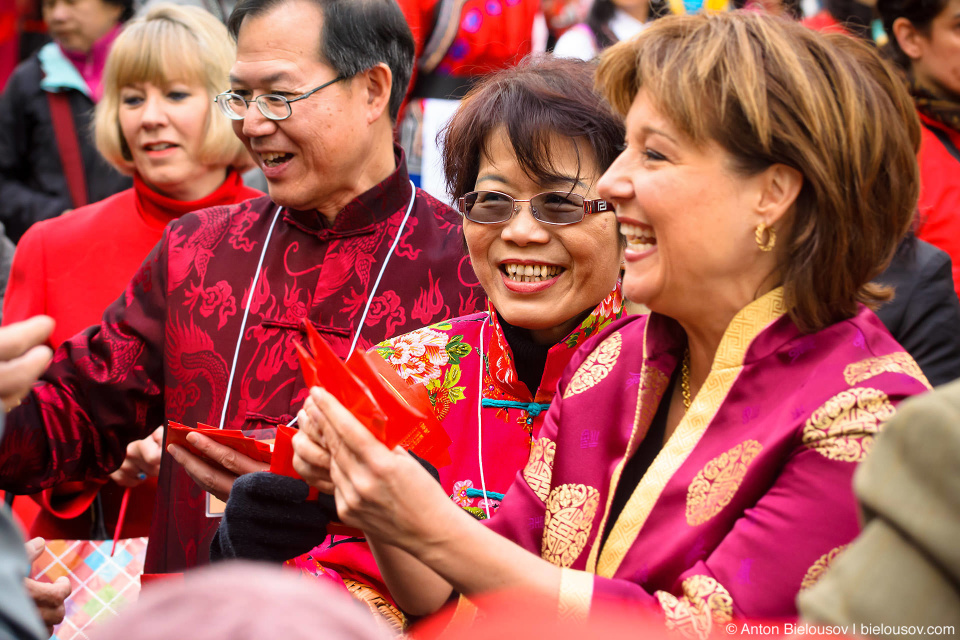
(770, 242)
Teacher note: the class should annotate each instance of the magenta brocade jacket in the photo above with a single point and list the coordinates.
(164, 349)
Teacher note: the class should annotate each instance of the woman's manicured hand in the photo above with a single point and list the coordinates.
(311, 458)
(384, 492)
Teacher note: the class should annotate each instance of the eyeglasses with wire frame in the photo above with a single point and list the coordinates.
(550, 207)
(271, 105)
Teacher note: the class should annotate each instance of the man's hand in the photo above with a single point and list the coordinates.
(49, 597)
(217, 474)
(142, 461)
(23, 357)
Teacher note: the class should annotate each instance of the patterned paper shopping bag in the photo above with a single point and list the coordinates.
(102, 584)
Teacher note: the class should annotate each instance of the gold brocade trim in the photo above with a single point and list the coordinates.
(568, 522)
(539, 470)
(653, 385)
(714, 486)
(899, 362)
(576, 594)
(597, 366)
(844, 427)
(705, 603)
(384, 613)
(818, 568)
(727, 364)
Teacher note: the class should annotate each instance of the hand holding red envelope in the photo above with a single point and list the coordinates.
(393, 411)
(258, 450)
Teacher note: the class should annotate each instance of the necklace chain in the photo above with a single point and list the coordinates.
(685, 380)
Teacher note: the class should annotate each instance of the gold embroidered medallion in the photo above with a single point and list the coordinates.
(818, 568)
(567, 523)
(539, 470)
(844, 427)
(705, 603)
(899, 362)
(714, 486)
(727, 365)
(597, 366)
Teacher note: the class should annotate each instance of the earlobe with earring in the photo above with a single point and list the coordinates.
(771, 237)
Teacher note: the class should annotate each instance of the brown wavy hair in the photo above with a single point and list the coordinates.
(773, 92)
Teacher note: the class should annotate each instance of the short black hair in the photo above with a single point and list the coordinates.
(356, 35)
(541, 97)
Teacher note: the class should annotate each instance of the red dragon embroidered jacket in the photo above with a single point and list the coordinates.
(164, 349)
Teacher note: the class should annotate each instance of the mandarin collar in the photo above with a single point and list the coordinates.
(501, 360)
(363, 213)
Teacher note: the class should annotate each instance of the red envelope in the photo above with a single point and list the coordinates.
(412, 423)
(372, 390)
(233, 438)
(331, 374)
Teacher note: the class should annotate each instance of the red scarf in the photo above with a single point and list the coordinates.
(157, 210)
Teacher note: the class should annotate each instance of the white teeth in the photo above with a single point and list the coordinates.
(160, 146)
(638, 237)
(530, 273)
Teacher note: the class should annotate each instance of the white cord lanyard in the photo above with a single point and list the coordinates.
(483, 483)
(256, 279)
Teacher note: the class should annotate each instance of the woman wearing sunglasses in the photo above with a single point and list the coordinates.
(696, 460)
(526, 147)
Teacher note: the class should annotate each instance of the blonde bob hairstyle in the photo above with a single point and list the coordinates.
(169, 43)
(770, 91)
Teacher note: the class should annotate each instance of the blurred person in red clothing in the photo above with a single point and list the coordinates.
(48, 163)
(925, 42)
(456, 43)
(155, 122)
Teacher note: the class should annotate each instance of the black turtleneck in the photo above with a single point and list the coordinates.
(529, 357)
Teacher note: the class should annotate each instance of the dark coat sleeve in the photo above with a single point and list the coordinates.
(32, 183)
(26, 145)
(924, 317)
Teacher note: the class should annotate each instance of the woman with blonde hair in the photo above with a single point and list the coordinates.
(155, 122)
(696, 460)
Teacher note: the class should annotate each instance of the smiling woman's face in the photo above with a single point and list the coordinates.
(571, 267)
(164, 127)
(686, 216)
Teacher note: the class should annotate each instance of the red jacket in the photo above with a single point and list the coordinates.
(940, 192)
(71, 268)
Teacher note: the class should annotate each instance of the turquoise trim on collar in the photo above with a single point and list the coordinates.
(533, 408)
(479, 493)
(59, 73)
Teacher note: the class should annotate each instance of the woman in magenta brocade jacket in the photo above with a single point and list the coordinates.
(156, 123)
(696, 461)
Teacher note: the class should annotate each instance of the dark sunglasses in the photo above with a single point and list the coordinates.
(551, 207)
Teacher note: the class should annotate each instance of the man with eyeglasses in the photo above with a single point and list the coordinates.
(206, 331)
